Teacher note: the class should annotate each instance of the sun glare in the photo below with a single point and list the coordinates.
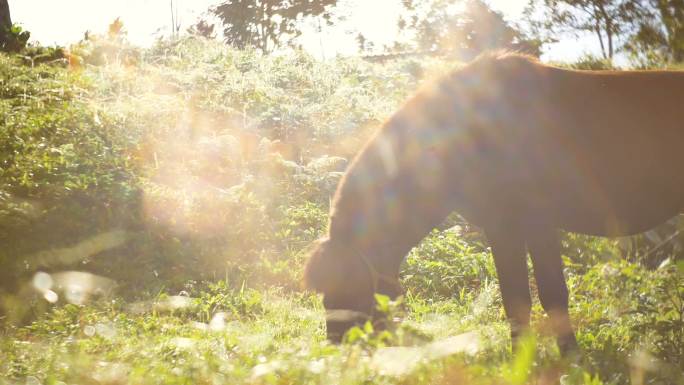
(254, 203)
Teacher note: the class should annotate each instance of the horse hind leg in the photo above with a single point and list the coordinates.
(544, 248)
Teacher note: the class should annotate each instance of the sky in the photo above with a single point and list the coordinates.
(65, 21)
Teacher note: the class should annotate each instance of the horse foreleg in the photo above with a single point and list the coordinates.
(510, 258)
(544, 249)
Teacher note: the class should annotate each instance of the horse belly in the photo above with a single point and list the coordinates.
(610, 223)
(615, 209)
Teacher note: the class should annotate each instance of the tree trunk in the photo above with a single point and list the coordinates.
(611, 49)
(597, 28)
(600, 39)
(263, 23)
(608, 23)
(675, 28)
(5, 22)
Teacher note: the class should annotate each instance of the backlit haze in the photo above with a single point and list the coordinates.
(64, 22)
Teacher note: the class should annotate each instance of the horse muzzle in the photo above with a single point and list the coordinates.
(339, 321)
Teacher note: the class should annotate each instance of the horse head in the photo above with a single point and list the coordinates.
(348, 280)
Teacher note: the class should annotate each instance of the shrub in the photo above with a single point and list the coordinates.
(14, 39)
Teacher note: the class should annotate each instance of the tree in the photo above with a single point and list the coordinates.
(12, 37)
(440, 26)
(608, 20)
(660, 32)
(175, 21)
(267, 24)
(364, 45)
(203, 28)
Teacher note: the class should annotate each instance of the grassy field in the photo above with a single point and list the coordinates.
(188, 181)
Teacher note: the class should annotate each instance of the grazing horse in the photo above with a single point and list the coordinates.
(520, 149)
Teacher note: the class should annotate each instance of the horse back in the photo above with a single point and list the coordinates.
(593, 152)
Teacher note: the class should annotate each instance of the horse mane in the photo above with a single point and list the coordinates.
(504, 54)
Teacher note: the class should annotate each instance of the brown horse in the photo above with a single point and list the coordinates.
(520, 149)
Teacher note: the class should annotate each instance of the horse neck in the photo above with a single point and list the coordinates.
(378, 209)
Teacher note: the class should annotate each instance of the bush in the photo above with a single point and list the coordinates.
(212, 158)
(447, 265)
(592, 63)
(14, 39)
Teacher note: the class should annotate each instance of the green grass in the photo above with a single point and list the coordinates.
(171, 148)
(248, 336)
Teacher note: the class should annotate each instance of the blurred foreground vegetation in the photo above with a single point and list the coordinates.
(156, 207)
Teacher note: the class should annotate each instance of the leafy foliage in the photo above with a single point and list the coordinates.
(440, 26)
(608, 20)
(204, 29)
(660, 33)
(591, 63)
(266, 24)
(447, 264)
